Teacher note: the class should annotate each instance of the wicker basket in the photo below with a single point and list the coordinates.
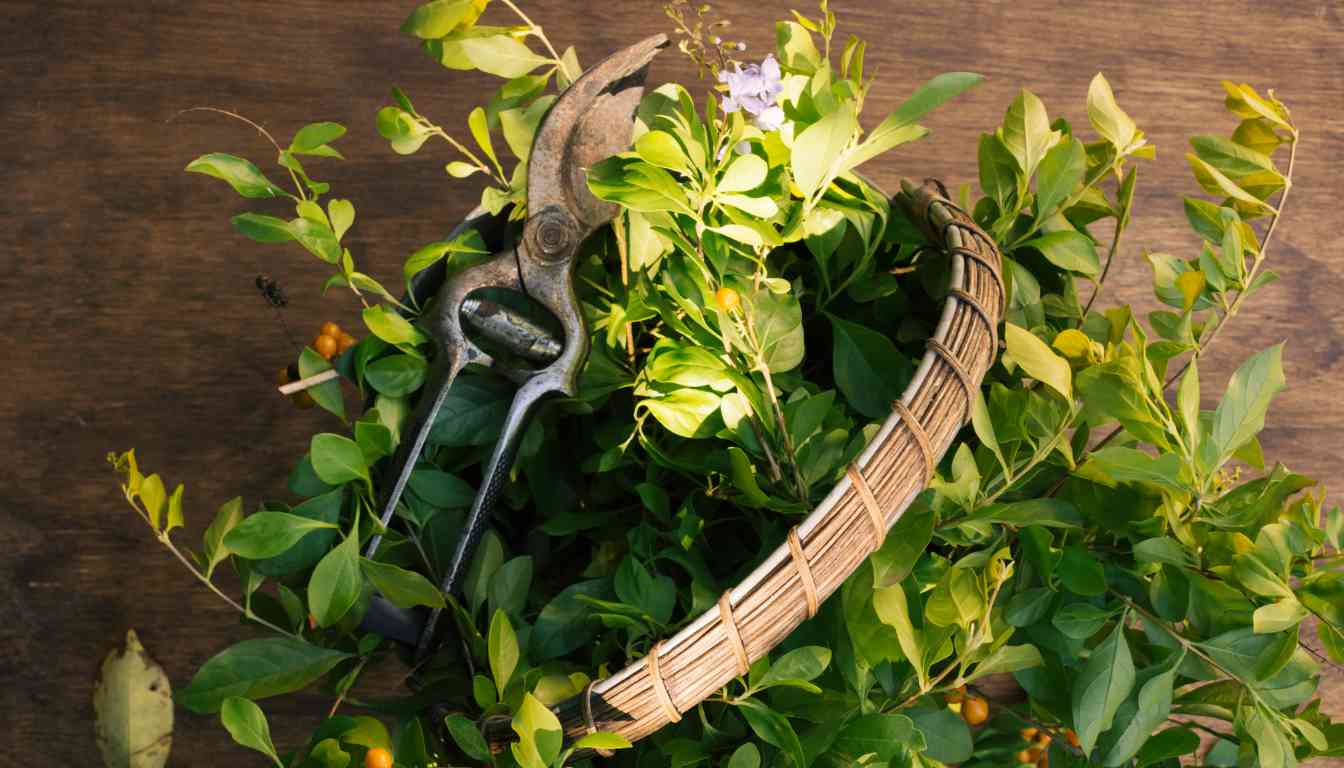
(827, 546)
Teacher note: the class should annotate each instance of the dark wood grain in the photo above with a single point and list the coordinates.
(132, 320)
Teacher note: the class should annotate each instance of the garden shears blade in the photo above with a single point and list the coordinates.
(590, 121)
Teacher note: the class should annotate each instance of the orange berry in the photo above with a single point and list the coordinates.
(1071, 737)
(330, 329)
(326, 346)
(1033, 754)
(1043, 739)
(975, 710)
(1028, 733)
(727, 299)
(378, 758)
(345, 342)
(1024, 757)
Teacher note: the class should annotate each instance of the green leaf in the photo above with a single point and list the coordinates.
(500, 55)
(1115, 464)
(1215, 182)
(335, 584)
(745, 756)
(342, 216)
(937, 91)
(337, 459)
(1070, 250)
(1061, 171)
(1007, 659)
(314, 135)
(1054, 513)
(804, 663)
(503, 650)
(563, 625)
(441, 17)
(1101, 687)
(1081, 571)
(602, 740)
(153, 497)
(744, 174)
(685, 412)
(1000, 178)
(818, 149)
(877, 733)
(256, 669)
(267, 534)
(1241, 413)
(468, 737)
(947, 737)
(663, 150)
(391, 327)
(779, 329)
(773, 728)
(1141, 717)
(1080, 621)
(245, 178)
(540, 735)
(402, 587)
(1026, 131)
(246, 723)
(262, 228)
(1173, 742)
(1038, 360)
(396, 375)
(868, 369)
(1107, 117)
(325, 507)
(229, 514)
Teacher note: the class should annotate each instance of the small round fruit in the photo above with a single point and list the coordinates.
(1033, 754)
(1071, 737)
(1024, 758)
(1028, 733)
(1043, 739)
(326, 346)
(727, 299)
(975, 710)
(330, 329)
(378, 758)
(345, 342)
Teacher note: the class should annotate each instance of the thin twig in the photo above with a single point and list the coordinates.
(310, 382)
(294, 178)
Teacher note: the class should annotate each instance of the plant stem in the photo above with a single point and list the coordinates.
(292, 177)
(1241, 296)
(1105, 270)
(163, 538)
(476, 161)
(535, 28)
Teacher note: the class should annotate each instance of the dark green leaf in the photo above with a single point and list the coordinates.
(402, 587)
(1101, 687)
(267, 534)
(256, 669)
(867, 368)
(335, 584)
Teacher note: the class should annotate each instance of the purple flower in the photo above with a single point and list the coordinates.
(756, 90)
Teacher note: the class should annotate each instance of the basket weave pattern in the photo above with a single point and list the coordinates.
(826, 547)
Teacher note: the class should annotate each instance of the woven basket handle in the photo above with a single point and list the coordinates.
(853, 520)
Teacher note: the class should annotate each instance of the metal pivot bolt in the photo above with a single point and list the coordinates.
(552, 234)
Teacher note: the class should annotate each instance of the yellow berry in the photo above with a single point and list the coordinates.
(975, 710)
(727, 299)
(330, 329)
(378, 758)
(326, 346)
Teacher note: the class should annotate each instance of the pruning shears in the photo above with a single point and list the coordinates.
(590, 121)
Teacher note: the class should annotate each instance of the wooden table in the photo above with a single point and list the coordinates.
(132, 318)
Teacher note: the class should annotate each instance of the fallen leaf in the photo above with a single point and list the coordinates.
(133, 708)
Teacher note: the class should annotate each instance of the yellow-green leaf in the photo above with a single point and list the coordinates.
(1107, 117)
(133, 709)
(1038, 360)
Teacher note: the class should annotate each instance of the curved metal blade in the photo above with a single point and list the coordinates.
(590, 122)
